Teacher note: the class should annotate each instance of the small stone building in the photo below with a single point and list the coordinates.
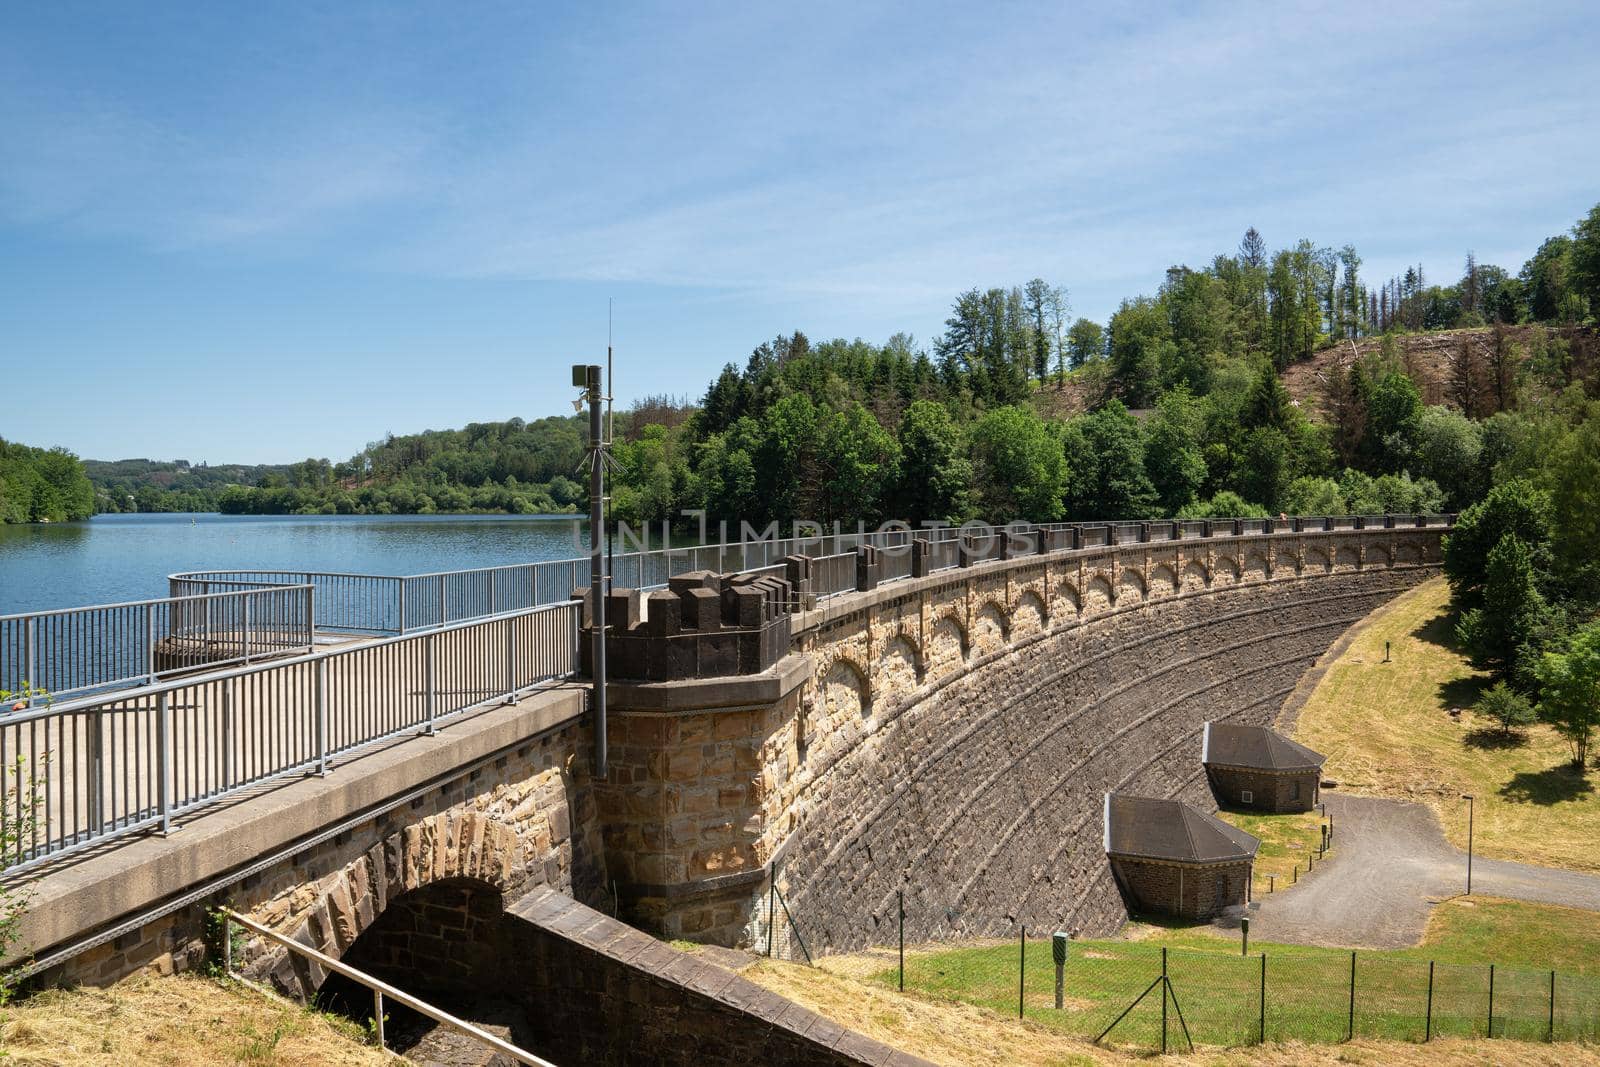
(1173, 858)
(1256, 767)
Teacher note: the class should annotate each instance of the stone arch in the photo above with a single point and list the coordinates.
(1098, 596)
(1255, 568)
(947, 647)
(437, 941)
(1163, 581)
(1067, 600)
(991, 629)
(1030, 616)
(900, 666)
(1380, 554)
(1346, 558)
(846, 692)
(1130, 586)
(1407, 552)
(1318, 559)
(459, 848)
(1195, 576)
(1226, 571)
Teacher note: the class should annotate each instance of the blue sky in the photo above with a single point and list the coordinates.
(261, 232)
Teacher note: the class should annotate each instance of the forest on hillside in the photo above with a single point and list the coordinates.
(1175, 406)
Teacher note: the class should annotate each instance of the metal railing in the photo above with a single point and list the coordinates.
(98, 767)
(80, 650)
(380, 989)
(833, 575)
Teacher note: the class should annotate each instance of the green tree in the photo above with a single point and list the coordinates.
(1141, 346)
(1105, 459)
(1493, 634)
(1575, 509)
(1085, 341)
(1313, 496)
(860, 463)
(1505, 707)
(935, 474)
(1447, 448)
(1569, 683)
(1518, 509)
(1019, 466)
(1172, 456)
(1585, 257)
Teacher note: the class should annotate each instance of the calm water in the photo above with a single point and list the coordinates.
(128, 557)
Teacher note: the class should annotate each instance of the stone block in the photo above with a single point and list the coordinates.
(743, 606)
(623, 609)
(664, 615)
(681, 583)
(700, 608)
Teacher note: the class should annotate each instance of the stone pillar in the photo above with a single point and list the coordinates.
(868, 569)
(919, 557)
(1144, 532)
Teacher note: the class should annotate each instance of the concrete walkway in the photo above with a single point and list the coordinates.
(1391, 865)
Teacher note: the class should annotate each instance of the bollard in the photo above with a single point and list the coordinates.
(1296, 880)
(1272, 883)
(1058, 949)
(1244, 935)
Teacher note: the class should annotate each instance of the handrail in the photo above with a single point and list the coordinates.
(379, 987)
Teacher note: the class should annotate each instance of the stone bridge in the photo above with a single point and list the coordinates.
(948, 737)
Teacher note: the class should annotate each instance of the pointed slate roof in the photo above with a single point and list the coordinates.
(1231, 745)
(1161, 829)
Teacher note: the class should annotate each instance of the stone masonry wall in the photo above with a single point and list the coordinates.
(1269, 791)
(956, 744)
(526, 820)
(1192, 891)
(955, 741)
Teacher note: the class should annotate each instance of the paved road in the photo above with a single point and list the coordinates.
(1391, 865)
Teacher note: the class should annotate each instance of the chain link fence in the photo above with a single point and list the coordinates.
(1143, 995)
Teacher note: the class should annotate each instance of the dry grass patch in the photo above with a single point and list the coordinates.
(1387, 731)
(178, 1021)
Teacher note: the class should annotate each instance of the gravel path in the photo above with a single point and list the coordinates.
(1391, 865)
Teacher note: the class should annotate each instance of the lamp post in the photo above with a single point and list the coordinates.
(1468, 798)
(587, 377)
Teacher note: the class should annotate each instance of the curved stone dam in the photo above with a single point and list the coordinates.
(951, 737)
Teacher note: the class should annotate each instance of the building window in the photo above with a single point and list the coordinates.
(1294, 790)
(1246, 797)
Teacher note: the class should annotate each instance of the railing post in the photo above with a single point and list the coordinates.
(311, 616)
(322, 716)
(492, 574)
(163, 735)
(402, 584)
(443, 615)
(511, 660)
(97, 820)
(30, 654)
(245, 639)
(430, 672)
(150, 643)
(227, 733)
(377, 1018)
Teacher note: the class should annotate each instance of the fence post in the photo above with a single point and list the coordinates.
(1261, 1027)
(1427, 1033)
(1059, 946)
(900, 907)
(1350, 1027)
(163, 793)
(1022, 967)
(1491, 1000)
(377, 1017)
(322, 716)
(431, 700)
(1550, 1027)
(402, 605)
(1164, 1000)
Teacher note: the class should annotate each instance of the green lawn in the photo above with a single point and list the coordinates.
(1308, 996)
(1286, 842)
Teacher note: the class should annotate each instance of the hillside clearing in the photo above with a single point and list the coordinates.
(1387, 730)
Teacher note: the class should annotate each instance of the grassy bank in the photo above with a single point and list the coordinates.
(1286, 842)
(1387, 731)
(180, 1021)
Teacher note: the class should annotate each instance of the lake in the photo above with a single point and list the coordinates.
(128, 557)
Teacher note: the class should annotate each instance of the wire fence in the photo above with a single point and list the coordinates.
(1149, 996)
